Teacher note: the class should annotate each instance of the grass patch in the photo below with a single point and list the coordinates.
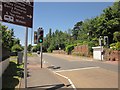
(13, 57)
(31, 55)
(12, 75)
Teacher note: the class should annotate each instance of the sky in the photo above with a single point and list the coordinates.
(59, 15)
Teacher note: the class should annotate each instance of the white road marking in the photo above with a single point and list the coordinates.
(77, 69)
(80, 60)
(68, 80)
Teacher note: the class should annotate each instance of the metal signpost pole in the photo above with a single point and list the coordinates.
(31, 35)
(25, 57)
(41, 54)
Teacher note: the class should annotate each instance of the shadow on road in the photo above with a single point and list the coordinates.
(53, 67)
(46, 87)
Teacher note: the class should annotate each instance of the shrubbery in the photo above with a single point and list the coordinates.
(16, 48)
(69, 49)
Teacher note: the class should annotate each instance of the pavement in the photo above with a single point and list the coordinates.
(41, 78)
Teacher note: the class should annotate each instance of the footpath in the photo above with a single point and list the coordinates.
(40, 78)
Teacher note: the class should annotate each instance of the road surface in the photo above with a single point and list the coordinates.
(83, 73)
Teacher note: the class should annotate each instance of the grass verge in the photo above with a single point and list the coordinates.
(31, 55)
(12, 75)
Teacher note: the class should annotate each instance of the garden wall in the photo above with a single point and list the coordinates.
(4, 62)
(111, 55)
(81, 50)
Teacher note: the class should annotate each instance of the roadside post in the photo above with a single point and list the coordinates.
(40, 40)
(25, 57)
(41, 55)
(100, 43)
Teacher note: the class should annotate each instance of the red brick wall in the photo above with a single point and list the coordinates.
(82, 50)
(114, 55)
(111, 55)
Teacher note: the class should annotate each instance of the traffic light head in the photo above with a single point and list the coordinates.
(35, 37)
(40, 36)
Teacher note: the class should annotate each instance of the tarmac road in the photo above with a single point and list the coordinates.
(83, 73)
(63, 64)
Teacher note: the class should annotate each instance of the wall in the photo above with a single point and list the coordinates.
(4, 64)
(81, 50)
(111, 55)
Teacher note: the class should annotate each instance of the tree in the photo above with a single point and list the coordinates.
(8, 38)
(16, 48)
(117, 36)
(29, 47)
(76, 29)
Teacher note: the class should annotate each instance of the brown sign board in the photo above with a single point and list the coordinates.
(19, 13)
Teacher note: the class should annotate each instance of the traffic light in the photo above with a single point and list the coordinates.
(106, 40)
(40, 35)
(35, 37)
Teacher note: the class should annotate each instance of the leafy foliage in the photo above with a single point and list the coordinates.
(8, 38)
(69, 48)
(16, 48)
(117, 36)
(29, 47)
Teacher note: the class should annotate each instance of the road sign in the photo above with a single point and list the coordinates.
(19, 13)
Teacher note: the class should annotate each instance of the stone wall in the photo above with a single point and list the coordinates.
(111, 55)
(81, 50)
(59, 52)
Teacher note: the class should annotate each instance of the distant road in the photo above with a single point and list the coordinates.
(66, 64)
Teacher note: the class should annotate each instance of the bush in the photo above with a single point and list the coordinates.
(69, 48)
(117, 46)
(51, 48)
(90, 45)
(113, 46)
(16, 48)
(117, 36)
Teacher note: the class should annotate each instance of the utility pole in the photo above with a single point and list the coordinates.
(25, 57)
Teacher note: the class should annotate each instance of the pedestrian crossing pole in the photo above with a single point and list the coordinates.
(41, 55)
(40, 40)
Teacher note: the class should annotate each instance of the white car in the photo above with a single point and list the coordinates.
(8, 18)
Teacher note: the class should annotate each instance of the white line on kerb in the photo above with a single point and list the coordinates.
(76, 69)
(67, 79)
